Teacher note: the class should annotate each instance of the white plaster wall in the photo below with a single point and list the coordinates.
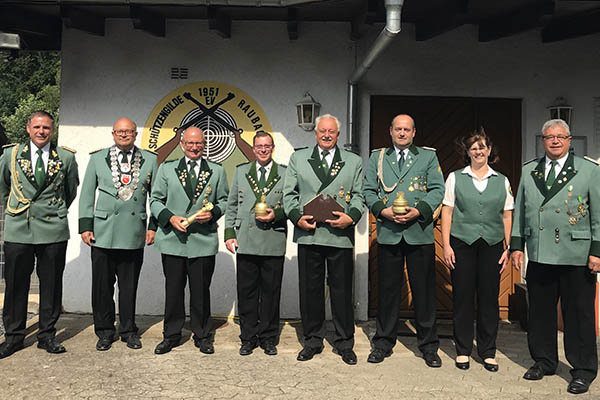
(126, 73)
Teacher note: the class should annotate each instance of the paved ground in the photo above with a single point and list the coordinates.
(185, 373)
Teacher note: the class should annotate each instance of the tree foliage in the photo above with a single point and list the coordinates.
(29, 81)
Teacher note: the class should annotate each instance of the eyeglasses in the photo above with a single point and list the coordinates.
(192, 144)
(124, 132)
(263, 146)
(552, 138)
(330, 131)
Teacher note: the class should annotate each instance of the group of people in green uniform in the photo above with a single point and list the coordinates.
(554, 217)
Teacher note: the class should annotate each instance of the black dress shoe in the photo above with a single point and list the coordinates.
(165, 346)
(205, 346)
(133, 341)
(247, 348)
(7, 349)
(51, 346)
(269, 347)
(490, 367)
(462, 365)
(378, 355)
(578, 386)
(104, 344)
(535, 373)
(307, 353)
(432, 359)
(348, 355)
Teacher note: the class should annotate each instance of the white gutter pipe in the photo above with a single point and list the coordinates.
(392, 28)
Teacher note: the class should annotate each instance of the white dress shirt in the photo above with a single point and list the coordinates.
(480, 185)
(34, 155)
(557, 168)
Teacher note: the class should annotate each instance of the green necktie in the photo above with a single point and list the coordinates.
(551, 174)
(40, 174)
(324, 163)
(262, 182)
(193, 177)
(401, 161)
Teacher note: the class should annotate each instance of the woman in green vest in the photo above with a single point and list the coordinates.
(476, 225)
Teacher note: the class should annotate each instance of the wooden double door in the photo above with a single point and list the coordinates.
(439, 122)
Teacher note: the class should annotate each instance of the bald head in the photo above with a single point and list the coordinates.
(124, 133)
(402, 131)
(192, 142)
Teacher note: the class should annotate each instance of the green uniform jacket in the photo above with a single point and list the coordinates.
(172, 195)
(560, 225)
(45, 220)
(116, 224)
(254, 237)
(305, 179)
(422, 182)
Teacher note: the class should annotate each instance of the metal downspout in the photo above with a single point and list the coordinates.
(392, 28)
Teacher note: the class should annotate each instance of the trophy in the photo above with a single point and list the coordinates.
(192, 218)
(260, 209)
(399, 206)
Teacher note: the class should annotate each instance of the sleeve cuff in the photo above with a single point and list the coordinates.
(152, 224)
(86, 225)
(230, 234)
(355, 214)
(377, 208)
(517, 243)
(595, 249)
(216, 213)
(164, 217)
(294, 216)
(426, 212)
(279, 214)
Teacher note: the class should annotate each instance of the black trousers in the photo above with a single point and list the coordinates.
(259, 292)
(576, 288)
(108, 265)
(50, 265)
(199, 272)
(312, 262)
(420, 261)
(476, 273)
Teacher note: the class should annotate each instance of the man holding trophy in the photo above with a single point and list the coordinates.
(255, 230)
(403, 186)
(189, 195)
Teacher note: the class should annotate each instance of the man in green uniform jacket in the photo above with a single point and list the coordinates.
(197, 187)
(557, 217)
(414, 171)
(328, 170)
(115, 227)
(259, 241)
(38, 183)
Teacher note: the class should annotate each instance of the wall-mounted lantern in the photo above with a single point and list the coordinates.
(308, 110)
(560, 109)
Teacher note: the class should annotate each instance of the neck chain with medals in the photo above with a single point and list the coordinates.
(125, 175)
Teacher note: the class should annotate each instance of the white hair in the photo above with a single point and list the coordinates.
(320, 117)
(556, 122)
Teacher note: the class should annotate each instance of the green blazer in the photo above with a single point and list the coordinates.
(45, 220)
(172, 194)
(254, 237)
(116, 224)
(422, 182)
(305, 179)
(560, 225)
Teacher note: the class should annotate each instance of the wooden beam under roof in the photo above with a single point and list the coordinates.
(292, 23)
(517, 21)
(572, 26)
(37, 31)
(219, 21)
(145, 19)
(447, 18)
(83, 20)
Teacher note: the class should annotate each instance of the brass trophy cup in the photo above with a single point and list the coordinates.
(192, 218)
(399, 205)
(260, 209)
